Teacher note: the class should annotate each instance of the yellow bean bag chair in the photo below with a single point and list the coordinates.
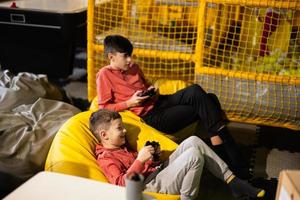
(72, 150)
(165, 87)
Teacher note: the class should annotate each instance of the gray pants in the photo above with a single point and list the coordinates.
(184, 168)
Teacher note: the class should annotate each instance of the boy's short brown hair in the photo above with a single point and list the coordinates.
(117, 43)
(102, 119)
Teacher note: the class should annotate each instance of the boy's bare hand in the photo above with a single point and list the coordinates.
(145, 154)
(136, 100)
(151, 87)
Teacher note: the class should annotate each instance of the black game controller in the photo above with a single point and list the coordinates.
(150, 93)
(155, 145)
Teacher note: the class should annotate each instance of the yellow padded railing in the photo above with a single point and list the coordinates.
(246, 52)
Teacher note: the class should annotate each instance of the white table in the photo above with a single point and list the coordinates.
(55, 186)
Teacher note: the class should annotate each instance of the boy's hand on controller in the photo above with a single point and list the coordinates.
(145, 153)
(151, 87)
(135, 99)
(156, 90)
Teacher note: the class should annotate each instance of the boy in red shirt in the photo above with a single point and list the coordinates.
(180, 174)
(121, 83)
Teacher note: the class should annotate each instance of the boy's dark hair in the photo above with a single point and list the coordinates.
(117, 43)
(102, 118)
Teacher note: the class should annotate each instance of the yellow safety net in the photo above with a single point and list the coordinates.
(247, 52)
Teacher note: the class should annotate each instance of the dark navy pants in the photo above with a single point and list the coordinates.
(174, 112)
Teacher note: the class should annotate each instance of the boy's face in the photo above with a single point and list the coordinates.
(114, 136)
(119, 60)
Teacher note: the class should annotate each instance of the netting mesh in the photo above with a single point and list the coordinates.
(247, 52)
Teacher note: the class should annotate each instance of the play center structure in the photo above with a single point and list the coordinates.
(247, 52)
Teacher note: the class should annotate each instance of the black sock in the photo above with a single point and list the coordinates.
(233, 152)
(236, 161)
(241, 188)
(221, 152)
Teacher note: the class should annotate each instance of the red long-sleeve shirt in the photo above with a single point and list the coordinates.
(115, 87)
(117, 163)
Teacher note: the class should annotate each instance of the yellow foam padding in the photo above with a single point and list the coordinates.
(165, 87)
(72, 150)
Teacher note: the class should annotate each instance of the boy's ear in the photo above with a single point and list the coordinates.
(103, 134)
(110, 56)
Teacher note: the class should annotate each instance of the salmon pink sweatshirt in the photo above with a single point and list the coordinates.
(115, 87)
(117, 163)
